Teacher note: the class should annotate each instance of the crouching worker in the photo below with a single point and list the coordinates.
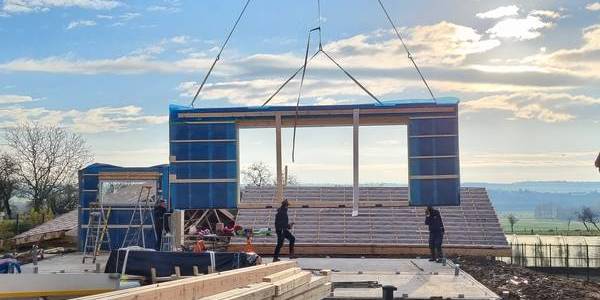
(436, 233)
(282, 228)
(8, 264)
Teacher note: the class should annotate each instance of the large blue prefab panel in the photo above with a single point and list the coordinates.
(434, 192)
(214, 131)
(433, 166)
(204, 151)
(432, 146)
(438, 126)
(204, 163)
(120, 216)
(204, 170)
(204, 195)
(433, 161)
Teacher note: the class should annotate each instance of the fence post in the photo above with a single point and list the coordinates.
(587, 261)
(535, 254)
(550, 255)
(567, 261)
(511, 253)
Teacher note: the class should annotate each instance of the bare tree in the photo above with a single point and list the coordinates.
(8, 181)
(48, 158)
(257, 174)
(512, 220)
(590, 216)
(582, 216)
(292, 179)
(64, 199)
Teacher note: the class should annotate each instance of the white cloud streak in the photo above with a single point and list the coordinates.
(15, 99)
(593, 6)
(29, 6)
(81, 23)
(95, 120)
(502, 11)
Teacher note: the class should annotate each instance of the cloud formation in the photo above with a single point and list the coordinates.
(81, 23)
(593, 6)
(95, 120)
(546, 107)
(502, 11)
(15, 99)
(29, 6)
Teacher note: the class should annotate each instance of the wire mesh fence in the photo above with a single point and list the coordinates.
(580, 258)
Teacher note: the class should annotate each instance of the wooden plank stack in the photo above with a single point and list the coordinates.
(273, 281)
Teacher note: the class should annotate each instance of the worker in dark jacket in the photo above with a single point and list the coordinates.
(160, 222)
(282, 228)
(436, 233)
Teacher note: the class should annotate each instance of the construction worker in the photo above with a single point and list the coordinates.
(282, 228)
(436, 233)
(598, 162)
(160, 222)
(8, 264)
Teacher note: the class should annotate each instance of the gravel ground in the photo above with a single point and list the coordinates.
(523, 283)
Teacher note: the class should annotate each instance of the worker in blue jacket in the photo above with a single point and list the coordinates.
(436, 233)
(282, 228)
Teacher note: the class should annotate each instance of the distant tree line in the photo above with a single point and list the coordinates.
(41, 164)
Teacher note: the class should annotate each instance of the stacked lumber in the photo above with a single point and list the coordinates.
(280, 280)
(292, 284)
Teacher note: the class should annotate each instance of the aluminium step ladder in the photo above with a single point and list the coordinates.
(134, 236)
(97, 231)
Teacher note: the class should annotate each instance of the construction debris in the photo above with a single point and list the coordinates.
(522, 283)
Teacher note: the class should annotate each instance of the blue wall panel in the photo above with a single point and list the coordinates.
(204, 151)
(205, 154)
(203, 170)
(204, 195)
(433, 166)
(88, 186)
(216, 131)
(433, 161)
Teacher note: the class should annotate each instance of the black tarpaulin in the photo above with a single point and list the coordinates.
(139, 262)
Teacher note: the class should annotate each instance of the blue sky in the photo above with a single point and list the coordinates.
(527, 74)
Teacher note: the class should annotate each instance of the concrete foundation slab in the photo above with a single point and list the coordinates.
(413, 278)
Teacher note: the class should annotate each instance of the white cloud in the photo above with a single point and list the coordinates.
(519, 28)
(101, 119)
(180, 39)
(583, 61)
(545, 13)
(502, 11)
(28, 6)
(133, 64)
(162, 8)
(81, 23)
(442, 43)
(593, 6)
(15, 99)
(546, 107)
(129, 16)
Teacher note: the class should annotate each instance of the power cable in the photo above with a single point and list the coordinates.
(219, 54)
(406, 48)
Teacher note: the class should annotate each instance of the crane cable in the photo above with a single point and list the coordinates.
(406, 48)
(219, 54)
(301, 85)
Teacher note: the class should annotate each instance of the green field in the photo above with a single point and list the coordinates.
(528, 224)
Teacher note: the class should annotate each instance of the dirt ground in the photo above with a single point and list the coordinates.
(523, 283)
